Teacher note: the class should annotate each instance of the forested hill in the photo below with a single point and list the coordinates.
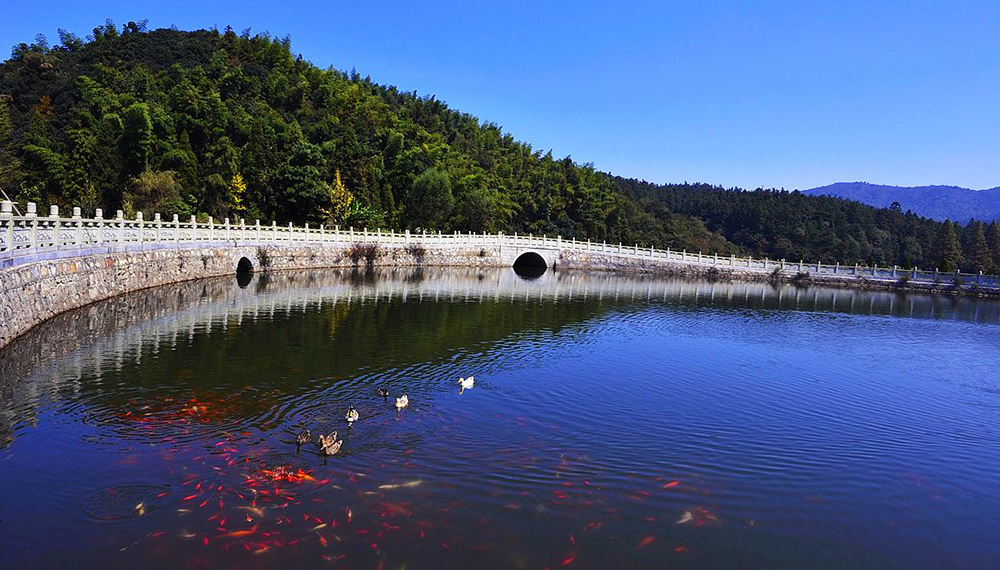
(235, 125)
(938, 202)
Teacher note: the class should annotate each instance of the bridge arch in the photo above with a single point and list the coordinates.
(530, 259)
(244, 265)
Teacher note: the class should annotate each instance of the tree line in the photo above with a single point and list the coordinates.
(216, 123)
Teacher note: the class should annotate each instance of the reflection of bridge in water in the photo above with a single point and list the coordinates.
(104, 333)
(109, 335)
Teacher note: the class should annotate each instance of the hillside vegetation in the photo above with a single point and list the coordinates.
(234, 125)
(937, 202)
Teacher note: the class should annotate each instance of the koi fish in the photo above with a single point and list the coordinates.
(685, 518)
(646, 542)
(239, 533)
(407, 485)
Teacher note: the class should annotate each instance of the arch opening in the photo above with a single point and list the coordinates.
(529, 265)
(244, 272)
(530, 259)
(244, 266)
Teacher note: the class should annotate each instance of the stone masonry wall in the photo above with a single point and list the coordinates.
(31, 293)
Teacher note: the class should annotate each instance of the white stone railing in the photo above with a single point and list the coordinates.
(26, 238)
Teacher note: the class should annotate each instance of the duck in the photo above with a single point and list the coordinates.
(383, 392)
(329, 444)
(352, 415)
(467, 383)
(402, 402)
(303, 438)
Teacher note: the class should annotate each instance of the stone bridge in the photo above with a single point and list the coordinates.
(50, 264)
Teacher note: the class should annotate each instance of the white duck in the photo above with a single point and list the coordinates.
(402, 402)
(467, 383)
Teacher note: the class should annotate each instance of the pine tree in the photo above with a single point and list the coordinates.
(979, 258)
(949, 252)
(993, 242)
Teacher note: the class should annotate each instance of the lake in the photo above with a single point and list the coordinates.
(615, 420)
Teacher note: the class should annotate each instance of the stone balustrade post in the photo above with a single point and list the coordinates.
(33, 233)
(836, 268)
(800, 266)
(715, 259)
(749, 261)
(120, 220)
(211, 228)
(54, 216)
(158, 222)
(99, 218)
(7, 223)
(274, 231)
(138, 219)
(225, 223)
(256, 233)
(78, 218)
(619, 248)
(177, 228)
(732, 260)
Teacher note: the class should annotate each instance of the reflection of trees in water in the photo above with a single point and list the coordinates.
(291, 328)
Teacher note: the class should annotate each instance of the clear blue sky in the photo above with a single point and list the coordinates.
(785, 94)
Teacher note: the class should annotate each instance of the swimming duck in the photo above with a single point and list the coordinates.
(303, 438)
(352, 415)
(467, 383)
(383, 392)
(402, 402)
(329, 444)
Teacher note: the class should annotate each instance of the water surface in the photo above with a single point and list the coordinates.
(615, 421)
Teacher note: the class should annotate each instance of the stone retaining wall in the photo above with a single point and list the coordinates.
(31, 293)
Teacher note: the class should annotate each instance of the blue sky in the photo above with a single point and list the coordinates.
(775, 94)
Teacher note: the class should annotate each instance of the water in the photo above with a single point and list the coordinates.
(615, 420)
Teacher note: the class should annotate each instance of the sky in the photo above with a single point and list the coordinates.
(771, 94)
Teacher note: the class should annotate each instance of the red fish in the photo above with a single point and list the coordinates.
(646, 542)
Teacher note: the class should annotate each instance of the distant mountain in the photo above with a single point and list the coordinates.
(938, 202)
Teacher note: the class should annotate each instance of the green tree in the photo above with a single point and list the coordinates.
(10, 164)
(304, 195)
(979, 258)
(949, 252)
(153, 192)
(136, 143)
(993, 242)
(430, 200)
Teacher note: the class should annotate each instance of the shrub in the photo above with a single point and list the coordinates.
(367, 251)
(263, 257)
(416, 251)
(802, 278)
